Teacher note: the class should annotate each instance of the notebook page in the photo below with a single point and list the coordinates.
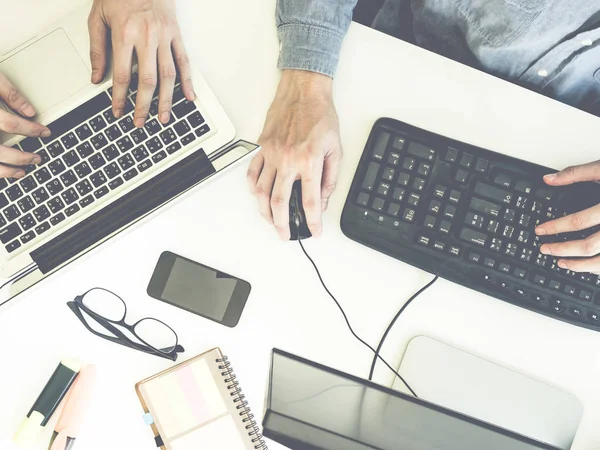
(220, 434)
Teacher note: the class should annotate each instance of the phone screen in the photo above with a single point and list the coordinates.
(196, 288)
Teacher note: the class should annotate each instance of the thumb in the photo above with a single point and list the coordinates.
(98, 42)
(331, 168)
(575, 174)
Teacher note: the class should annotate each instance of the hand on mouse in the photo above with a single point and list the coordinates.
(150, 28)
(11, 159)
(588, 248)
(300, 140)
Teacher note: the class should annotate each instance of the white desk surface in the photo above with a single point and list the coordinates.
(236, 46)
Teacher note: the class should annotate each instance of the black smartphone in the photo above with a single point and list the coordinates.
(199, 289)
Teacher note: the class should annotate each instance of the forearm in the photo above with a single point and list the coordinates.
(311, 33)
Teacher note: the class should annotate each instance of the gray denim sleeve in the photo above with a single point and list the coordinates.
(311, 33)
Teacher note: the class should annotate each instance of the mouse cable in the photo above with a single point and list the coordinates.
(419, 292)
(377, 355)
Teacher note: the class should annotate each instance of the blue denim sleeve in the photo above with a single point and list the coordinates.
(311, 33)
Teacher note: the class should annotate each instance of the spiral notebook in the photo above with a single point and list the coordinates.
(199, 404)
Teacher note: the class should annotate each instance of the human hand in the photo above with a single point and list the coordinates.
(11, 159)
(588, 248)
(300, 140)
(148, 27)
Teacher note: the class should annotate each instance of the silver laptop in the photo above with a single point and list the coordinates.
(99, 174)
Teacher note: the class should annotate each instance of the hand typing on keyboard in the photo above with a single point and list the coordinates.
(148, 27)
(300, 140)
(587, 247)
(17, 124)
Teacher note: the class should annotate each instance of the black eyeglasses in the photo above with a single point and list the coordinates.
(103, 311)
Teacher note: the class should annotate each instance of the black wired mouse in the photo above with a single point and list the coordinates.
(298, 227)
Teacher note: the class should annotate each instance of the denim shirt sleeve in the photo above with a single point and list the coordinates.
(311, 33)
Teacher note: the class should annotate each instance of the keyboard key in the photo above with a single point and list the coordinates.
(42, 228)
(145, 165)
(503, 179)
(409, 164)
(398, 143)
(454, 196)
(57, 219)
(474, 220)
(11, 213)
(131, 173)
(423, 240)
(113, 132)
(152, 127)
(101, 192)
(388, 173)
(474, 237)
(97, 123)
(202, 130)
(72, 210)
(489, 263)
(424, 169)
(96, 161)
(27, 222)
(55, 149)
(586, 296)
(449, 212)
(188, 139)
(25, 204)
(370, 176)
(12, 246)
(108, 116)
(99, 141)
(439, 245)
(140, 153)
(182, 128)
(363, 199)
(445, 227)
(41, 213)
(413, 199)
(434, 206)
(154, 144)
(69, 140)
(394, 159)
(124, 144)
(419, 184)
(86, 201)
(496, 244)
(159, 157)
(112, 170)
(183, 108)
(98, 178)
(177, 94)
(44, 155)
(451, 155)
(421, 151)
(83, 132)
(84, 150)
(393, 209)
(111, 152)
(168, 136)
(544, 194)
(196, 119)
(408, 215)
(378, 204)
(3, 201)
(461, 176)
(504, 268)
(69, 196)
(482, 165)
(55, 205)
(125, 124)
(83, 187)
(30, 144)
(493, 193)
(68, 178)
(429, 222)
(440, 191)
(466, 160)
(403, 179)
(14, 192)
(71, 158)
(570, 290)
(454, 250)
(54, 186)
(57, 167)
(138, 136)
(484, 206)
(9, 233)
(523, 186)
(520, 273)
(379, 148)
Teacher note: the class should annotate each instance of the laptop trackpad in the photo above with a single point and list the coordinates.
(464, 382)
(48, 71)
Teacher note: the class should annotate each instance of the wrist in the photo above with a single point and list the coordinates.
(306, 83)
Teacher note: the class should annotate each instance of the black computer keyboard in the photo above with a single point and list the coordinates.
(469, 215)
(89, 154)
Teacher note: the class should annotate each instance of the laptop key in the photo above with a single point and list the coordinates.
(115, 183)
(183, 108)
(40, 195)
(112, 170)
(3, 200)
(126, 124)
(84, 187)
(111, 152)
(86, 201)
(72, 210)
(113, 132)
(173, 148)
(69, 196)
(108, 116)
(140, 153)
(159, 157)
(187, 139)
(196, 119)
(41, 213)
(25, 204)
(144, 165)
(99, 193)
(30, 144)
(12, 246)
(130, 174)
(182, 127)
(68, 178)
(154, 144)
(202, 130)
(3, 183)
(55, 205)
(42, 228)
(27, 237)
(85, 150)
(57, 219)
(168, 136)
(124, 144)
(14, 192)
(83, 132)
(98, 178)
(27, 222)
(44, 155)
(69, 140)
(27, 184)
(97, 124)
(71, 158)
(11, 212)
(138, 135)
(177, 94)
(2, 221)
(83, 169)
(57, 167)
(126, 161)
(99, 141)
(152, 127)
(55, 149)
(97, 161)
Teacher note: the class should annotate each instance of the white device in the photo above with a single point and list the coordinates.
(471, 385)
(52, 69)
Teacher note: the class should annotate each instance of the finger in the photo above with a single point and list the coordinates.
(573, 222)
(589, 246)
(183, 65)
(167, 82)
(280, 203)
(17, 125)
(574, 174)
(14, 99)
(11, 172)
(581, 265)
(98, 43)
(331, 168)
(263, 190)
(311, 198)
(254, 170)
(14, 157)
(122, 56)
(147, 56)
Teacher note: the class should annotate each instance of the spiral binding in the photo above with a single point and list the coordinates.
(241, 404)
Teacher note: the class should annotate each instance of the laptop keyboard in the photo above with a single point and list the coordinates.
(89, 154)
(469, 215)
